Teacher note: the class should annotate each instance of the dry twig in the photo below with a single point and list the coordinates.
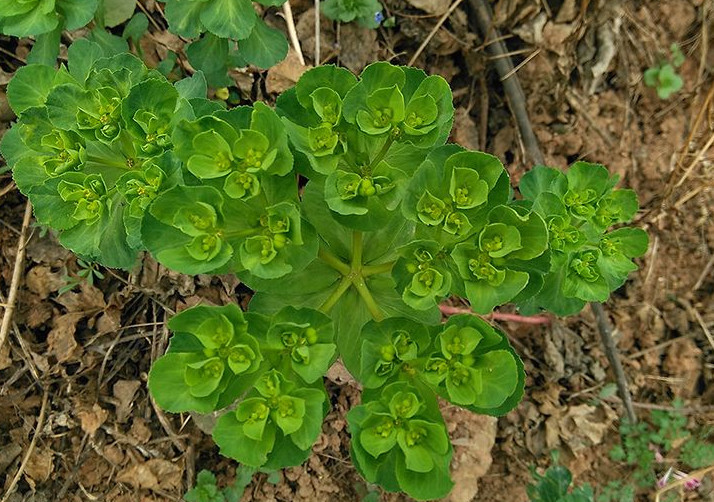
(288, 14)
(613, 357)
(30, 449)
(512, 87)
(16, 276)
(434, 30)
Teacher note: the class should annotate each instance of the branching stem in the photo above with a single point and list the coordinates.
(333, 261)
(382, 268)
(368, 299)
(381, 154)
(341, 289)
(356, 251)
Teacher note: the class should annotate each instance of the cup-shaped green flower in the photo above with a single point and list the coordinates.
(322, 139)
(499, 239)
(327, 103)
(100, 114)
(197, 219)
(583, 278)
(303, 341)
(241, 185)
(467, 189)
(385, 109)
(420, 115)
(277, 417)
(204, 377)
(215, 156)
(388, 349)
(210, 352)
(563, 235)
(253, 151)
(618, 206)
(157, 137)
(473, 366)
(86, 193)
(66, 152)
(430, 209)
(398, 437)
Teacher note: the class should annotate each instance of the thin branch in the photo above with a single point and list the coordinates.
(448, 310)
(16, 276)
(433, 32)
(613, 357)
(30, 449)
(512, 87)
(288, 13)
(317, 33)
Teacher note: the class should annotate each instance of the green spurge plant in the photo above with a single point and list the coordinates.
(220, 24)
(349, 217)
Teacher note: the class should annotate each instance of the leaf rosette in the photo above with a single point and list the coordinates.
(452, 192)
(390, 348)
(399, 441)
(274, 426)
(587, 260)
(211, 349)
(497, 263)
(423, 273)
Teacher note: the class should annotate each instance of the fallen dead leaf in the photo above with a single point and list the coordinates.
(124, 391)
(152, 474)
(465, 132)
(358, 46)
(39, 466)
(42, 281)
(92, 419)
(435, 7)
(60, 340)
(285, 74)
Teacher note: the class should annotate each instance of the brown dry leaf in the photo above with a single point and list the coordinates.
(435, 7)
(473, 437)
(60, 341)
(39, 466)
(152, 474)
(124, 391)
(109, 321)
(42, 281)
(140, 431)
(90, 299)
(465, 132)
(285, 74)
(358, 46)
(584, 425)
(91, 420)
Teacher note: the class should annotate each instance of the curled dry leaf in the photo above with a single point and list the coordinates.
(92, 419)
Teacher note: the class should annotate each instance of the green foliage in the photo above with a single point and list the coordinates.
(639, 441)
(207, 491)
(87, 273)
(664, 77)
(222, 24)
(616, 491)
(555, 486)
(350, 218)
(367, 13)
(697, 453)
(588, 260)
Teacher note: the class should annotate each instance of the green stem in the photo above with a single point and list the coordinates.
(341, 289)
(382, 268)
(382, 153)
(356, 250)
(333, 261)
(368, 299)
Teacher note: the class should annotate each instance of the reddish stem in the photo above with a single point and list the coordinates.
(448, 310)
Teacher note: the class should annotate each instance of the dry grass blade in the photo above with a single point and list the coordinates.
(30, 449)
(290, 20)
(433, 31)
(16, 276)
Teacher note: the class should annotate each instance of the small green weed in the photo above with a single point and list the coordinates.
(88, 272)
(555, 486)
(664, 77)
(207, 491)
